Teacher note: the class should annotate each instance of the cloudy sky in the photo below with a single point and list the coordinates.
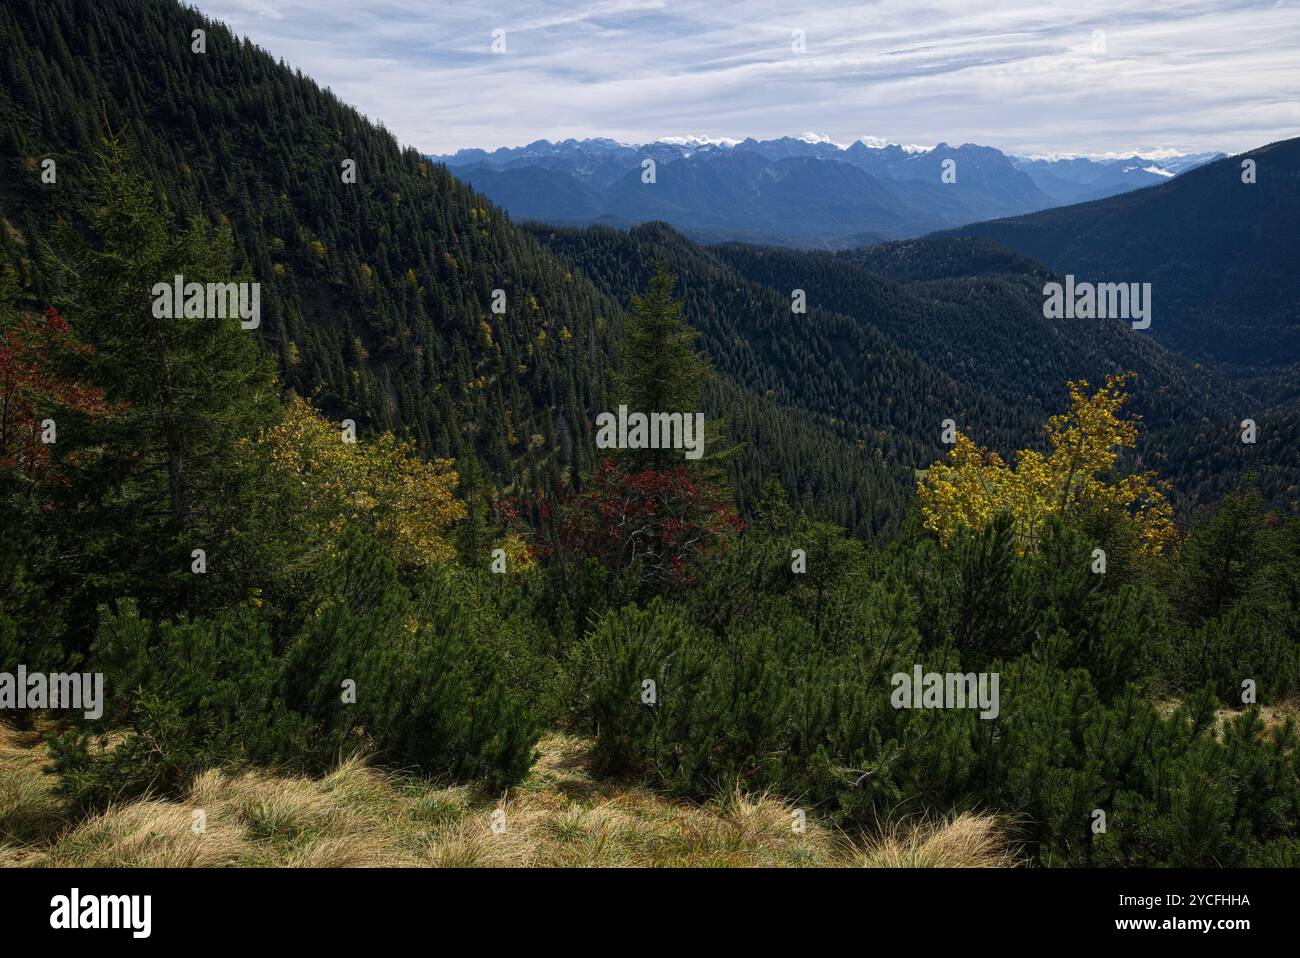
(1033, 78)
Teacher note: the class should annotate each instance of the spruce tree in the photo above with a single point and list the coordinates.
(164, 467)
(661, 371)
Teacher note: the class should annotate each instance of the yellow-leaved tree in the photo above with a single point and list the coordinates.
(327, 483)
(1074, 478)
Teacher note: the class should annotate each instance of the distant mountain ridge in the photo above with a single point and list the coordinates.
(796, 191)
(1219, 252)
(1079, 179)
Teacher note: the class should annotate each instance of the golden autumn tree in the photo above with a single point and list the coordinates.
(408, 502)
(1073, 478)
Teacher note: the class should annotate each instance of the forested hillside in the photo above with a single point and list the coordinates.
(974, 311)
(899, 337)
(376, 295)
(1217, 244)
(843, 375)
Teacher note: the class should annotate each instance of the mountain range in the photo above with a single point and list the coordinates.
(793, 191)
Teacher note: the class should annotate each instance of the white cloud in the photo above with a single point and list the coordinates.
(1176, 74)
(259, 8)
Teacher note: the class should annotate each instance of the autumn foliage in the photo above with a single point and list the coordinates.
(34, 387)
(660, 522)
(1076, 476)
(379, 482)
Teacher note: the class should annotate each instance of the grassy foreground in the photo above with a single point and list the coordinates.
(361, 816)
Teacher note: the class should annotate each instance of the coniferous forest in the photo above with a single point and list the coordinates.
(354, 569)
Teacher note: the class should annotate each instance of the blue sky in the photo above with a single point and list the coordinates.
(1024, 77)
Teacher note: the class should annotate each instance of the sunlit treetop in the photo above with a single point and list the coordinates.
(1075, 477)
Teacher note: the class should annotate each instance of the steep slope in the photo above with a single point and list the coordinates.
(899, 337)
(1220, 254)
(376, 294)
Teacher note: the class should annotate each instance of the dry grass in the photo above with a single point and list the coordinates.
(29, 808)
(358, 816)
(967, 841)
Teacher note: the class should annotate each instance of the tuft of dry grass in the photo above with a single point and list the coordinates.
(144, 834)
(965, 841)
(358, 816)
(562, 817)
(350, 818)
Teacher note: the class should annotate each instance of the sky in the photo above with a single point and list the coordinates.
(1054, 77)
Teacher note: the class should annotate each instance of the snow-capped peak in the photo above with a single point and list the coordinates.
(880, 143)
(691, 140)
(818, 138)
